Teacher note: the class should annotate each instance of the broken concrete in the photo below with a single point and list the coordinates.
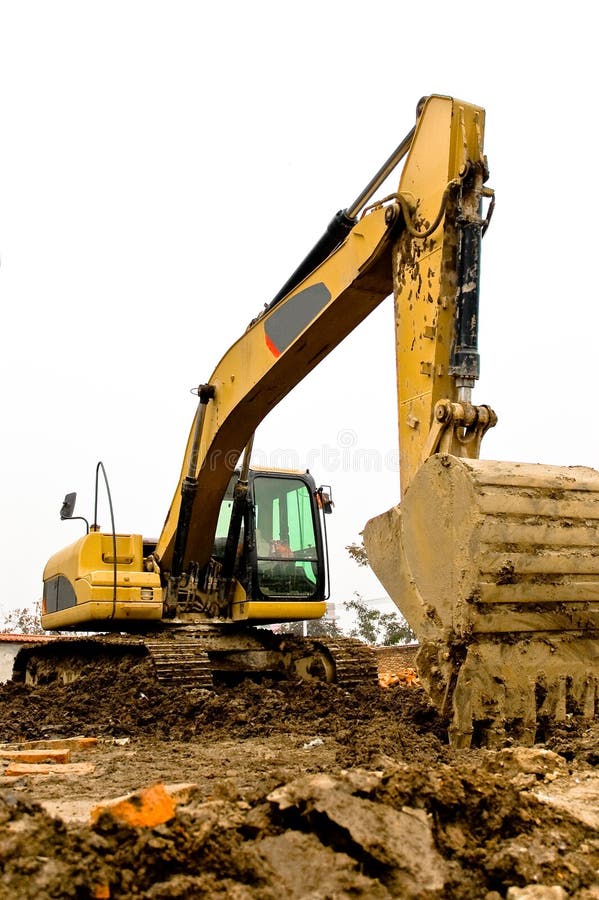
(514, 761)
(579, 797)
(397, 843)
(537, 892)
(307, 869)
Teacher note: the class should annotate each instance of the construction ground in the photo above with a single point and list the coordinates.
(277, 790)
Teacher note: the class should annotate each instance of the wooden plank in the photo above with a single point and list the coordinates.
(73, 743)
(36, 756)
(61, 769)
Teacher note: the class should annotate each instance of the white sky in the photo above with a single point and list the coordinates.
(163, 168)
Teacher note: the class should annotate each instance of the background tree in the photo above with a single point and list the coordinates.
(376, 627)
(323, 628)
(372, 625)
(314, 628)
(358, 553)
(23, 621)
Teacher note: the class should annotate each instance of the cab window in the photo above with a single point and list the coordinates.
(222, 526)
(285, 537)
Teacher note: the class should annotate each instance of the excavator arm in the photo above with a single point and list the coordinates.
(411, 237)
(352, 269)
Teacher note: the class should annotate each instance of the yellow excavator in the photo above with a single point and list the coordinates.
(494, 564)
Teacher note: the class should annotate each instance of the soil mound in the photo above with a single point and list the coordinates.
(303, 791)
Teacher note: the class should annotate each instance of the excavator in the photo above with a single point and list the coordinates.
(494, 564)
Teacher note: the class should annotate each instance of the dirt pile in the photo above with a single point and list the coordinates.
(302, 792)
(127, 701)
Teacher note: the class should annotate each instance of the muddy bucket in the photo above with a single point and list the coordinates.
(495, 565)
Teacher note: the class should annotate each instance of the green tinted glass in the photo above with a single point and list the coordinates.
(285, 537)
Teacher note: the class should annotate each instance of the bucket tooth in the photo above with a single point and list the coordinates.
(495, 565)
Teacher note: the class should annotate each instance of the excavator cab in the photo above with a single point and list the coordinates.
(277, 571)
(280, 551)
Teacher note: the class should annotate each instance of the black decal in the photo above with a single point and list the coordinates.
(290, 318)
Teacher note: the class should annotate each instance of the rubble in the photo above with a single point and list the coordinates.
(279, 790)
(400, 842)
(145, 808)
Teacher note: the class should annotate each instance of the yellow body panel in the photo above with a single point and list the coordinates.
(88, 566)
(94, 552)
(258, 611)
(91, 612)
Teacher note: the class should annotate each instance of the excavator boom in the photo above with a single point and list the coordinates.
(407, 237)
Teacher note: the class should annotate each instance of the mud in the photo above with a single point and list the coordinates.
(301, 791)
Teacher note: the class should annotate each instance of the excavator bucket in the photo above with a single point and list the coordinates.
(495, 565)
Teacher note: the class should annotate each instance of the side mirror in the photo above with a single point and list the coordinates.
(324, 498)
(68, 506)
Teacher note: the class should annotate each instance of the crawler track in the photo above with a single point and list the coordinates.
(355, 662)
(196, 659)
(181, 662)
